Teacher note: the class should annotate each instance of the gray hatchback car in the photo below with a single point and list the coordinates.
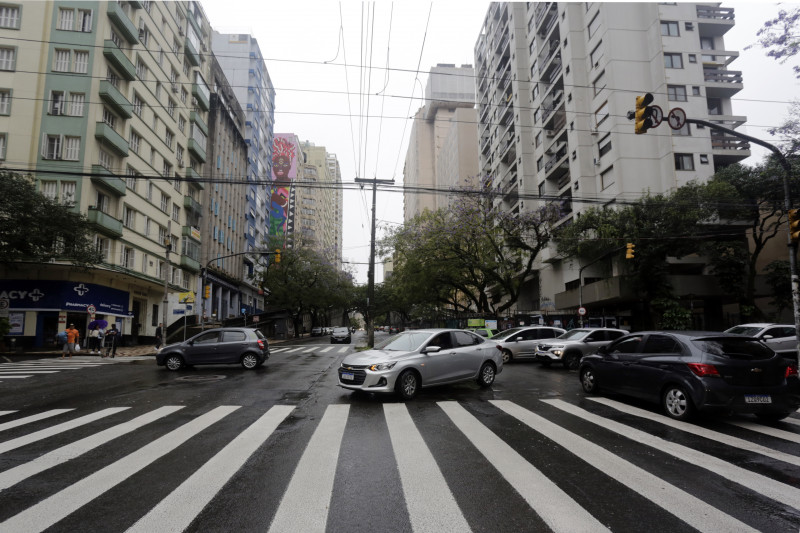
(245, 346)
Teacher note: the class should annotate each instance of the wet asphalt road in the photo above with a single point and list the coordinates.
(217, 448)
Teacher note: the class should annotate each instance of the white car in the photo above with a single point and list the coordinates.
(416, 359)
(779, 337)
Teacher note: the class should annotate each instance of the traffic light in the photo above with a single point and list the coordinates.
(207, 292)
(629, 252)
(643, 115)
(278, 255)
(794, 224)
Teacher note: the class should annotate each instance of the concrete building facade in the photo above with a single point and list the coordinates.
(318, 217)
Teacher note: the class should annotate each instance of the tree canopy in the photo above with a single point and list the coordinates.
(36, 228)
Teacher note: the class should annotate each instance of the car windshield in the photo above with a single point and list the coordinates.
(404, 342)
(734, 348)
(575, 334)
(505, 334)
(341, 330)
(749, 331)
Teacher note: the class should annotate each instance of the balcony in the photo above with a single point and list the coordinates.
(728, 149)
(722, 83)
(122, 23)
(190, 204)
(105, 224)
(191, 232)
(718, 59)
(189, 264)
(102, 177)
(192, 54)
(713, 21)
(115, 100)
(195, 118)
(111, 139)
(201, 93)
(557, 165)
(197, 148)
(118, 59)
(194, 178)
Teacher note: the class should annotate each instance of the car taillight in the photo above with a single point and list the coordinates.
(260, 344)
(703, 370)
(791, 371)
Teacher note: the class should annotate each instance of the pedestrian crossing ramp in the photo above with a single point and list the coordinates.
(551, 465)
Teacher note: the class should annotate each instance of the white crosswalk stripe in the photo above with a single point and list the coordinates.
(432, 504)
(29, 369)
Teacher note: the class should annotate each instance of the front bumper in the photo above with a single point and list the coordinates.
(367, 380)
(547, 356)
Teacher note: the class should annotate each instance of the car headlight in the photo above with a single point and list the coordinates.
(382, 366)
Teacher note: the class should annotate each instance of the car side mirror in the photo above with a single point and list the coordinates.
(432, 349)
(767, 337)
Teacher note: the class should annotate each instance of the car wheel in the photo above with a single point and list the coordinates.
(486, 375)
(249, 361)
(571, 360)
(589, 381)
(174, 362)
(507, 356)
(772, 416)
(676, 403)
(407, 384)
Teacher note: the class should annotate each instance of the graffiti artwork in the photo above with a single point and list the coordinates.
(284, 170)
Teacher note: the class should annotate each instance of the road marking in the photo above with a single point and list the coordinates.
(23, 371)
(344, 349)
(304, 506)
(15, 377)
(6, 412)
(756, 482)
(176, 511)
(792, 421)
(767, 430)
(692, 510)
(60, 428)
(558, 510)
(32, 418)
(61, 455)
(328, 349)
(430, 503)
(701, 432)
(51, 510)
(278, 350)
(296, 349)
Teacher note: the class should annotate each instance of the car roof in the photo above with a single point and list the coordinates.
(693, 335)
(760, 325)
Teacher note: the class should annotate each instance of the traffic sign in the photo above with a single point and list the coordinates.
(656, 115)
(581, 310)
(676, 118)
(91, 309)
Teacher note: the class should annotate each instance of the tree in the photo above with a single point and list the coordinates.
(35, 228)
(780, 37)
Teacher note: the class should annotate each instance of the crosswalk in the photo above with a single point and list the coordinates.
(42, 367)
(313, 349)
(558, 463)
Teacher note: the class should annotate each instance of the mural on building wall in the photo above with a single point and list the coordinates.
(284, 170)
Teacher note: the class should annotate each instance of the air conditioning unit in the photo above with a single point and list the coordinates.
(550, 133)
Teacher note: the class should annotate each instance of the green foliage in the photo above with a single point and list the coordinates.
(5, 326)
(779, 280)
(671, 315)
(35, 228)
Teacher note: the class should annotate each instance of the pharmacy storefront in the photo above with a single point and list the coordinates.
(39, 309)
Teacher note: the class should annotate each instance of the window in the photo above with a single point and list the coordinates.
(166, 170)
(703, 158)
(599, 83)
(103, 246)
(673, 60)
(714, 106)
(695, 90)
(66, 19)
(102, 202)
(676, 93)
(176, 212)
(141, 70)
(179, 155)
(84, 21)
(594, 24)
(72, 148)
(56, 103)
(62, 61)
(684, 162)
(77, 102)
(128, 259)
(9, 17)
(130, 178)
(171, 107)
(81, 62)
(181, 124)
(50, 189)
(601, 114)
(68, 193)
(168, 138)
(692, 58)
(128, 217)
(144, 33)
(150, 189)
(105, 160)
(689, 26)
(162, 234)
(669, 29)
(52, 147)
(684, 131)
(596, 55)
(109, 118)
(164, 202)
(184, 95)
(661, 344)
(116, 39)
(607, 178)
(604, 145)
(8, 58)
(134, 141)
(112, 77)
(5, 102)
(137, 105)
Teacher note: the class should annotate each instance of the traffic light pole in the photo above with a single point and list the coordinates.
(787, 202)
(205, 278)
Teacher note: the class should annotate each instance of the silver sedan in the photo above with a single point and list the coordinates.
(415, 359)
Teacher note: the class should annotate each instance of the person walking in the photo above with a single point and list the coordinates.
(73, 336)
(112, 338)
(94, 340)
(159, 335)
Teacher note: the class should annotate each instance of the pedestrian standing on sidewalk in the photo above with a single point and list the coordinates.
(73, 336)
(159, 335)
(94, 340)
(112, 338)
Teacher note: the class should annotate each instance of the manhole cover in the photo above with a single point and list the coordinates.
(201, 378)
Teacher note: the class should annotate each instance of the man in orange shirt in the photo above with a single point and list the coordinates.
(72, 339)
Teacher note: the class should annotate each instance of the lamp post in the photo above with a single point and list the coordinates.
(167, 250)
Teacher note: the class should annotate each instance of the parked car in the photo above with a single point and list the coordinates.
(421, 358)
(688, 372)
(341, 334)
(246, 346)
(485, 332)
(518, 343)
(779, 337)
(574, 344)
(316, 332)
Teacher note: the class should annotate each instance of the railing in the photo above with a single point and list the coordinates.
(716, 13)
(726, 142)
(722, 76)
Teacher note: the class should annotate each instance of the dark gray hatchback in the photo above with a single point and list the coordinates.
(245, 346)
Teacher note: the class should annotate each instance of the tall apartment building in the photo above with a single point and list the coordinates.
(243, 64)
(443, 148)
(230, 276)
(318, 214)
(105, 104)
(555, 83)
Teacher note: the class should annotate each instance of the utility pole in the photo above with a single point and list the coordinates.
(371, 273)
(167, 250)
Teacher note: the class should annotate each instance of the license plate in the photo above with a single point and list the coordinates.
(347, 375)
(757, 398)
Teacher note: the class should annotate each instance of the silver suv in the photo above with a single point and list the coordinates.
(518, 343)
(779, 337)
(574, 344)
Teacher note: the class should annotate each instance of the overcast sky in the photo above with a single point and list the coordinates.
(306, 45)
